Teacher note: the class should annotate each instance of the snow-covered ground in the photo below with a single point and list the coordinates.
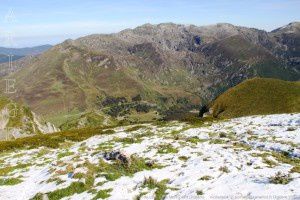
(230, 159)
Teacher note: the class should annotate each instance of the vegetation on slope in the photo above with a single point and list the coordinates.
(16, 116)
(52, 140)
(258, 96)
(89, 119)
(68, 79)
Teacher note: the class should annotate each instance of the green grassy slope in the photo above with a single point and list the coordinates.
(88, 119)
(258, 96)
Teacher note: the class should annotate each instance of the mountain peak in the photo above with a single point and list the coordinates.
(294, 24)
(291, 27)
(225, 24)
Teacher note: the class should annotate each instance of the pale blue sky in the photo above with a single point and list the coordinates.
(51, 21)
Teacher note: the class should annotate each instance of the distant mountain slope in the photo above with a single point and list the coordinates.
(18, 63)
(166, 64)
(18, 121)
(18, 53)
(4, 58)
(289, 38)
(258, 96)
(27, 51)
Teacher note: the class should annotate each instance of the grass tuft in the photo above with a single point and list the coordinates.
(6, 170)
(280, 178)
(117, 169)
(206, 178)
(224, 169)
(166, 148)
(161, 187)
(296, 169)
(10, 181)
(102, 194)
(64, 154)
(74, 188)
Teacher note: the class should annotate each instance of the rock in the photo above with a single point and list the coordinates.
(291, 129)
(150, 163)
(203, 110)
(70, 175)
(117, 155)
(45, 197)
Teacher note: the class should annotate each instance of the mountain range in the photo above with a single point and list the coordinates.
(18, 53)
(166, 67)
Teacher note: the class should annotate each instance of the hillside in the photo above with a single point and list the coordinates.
(238, 157)
(18, 121)
(258, 96)
(169, 66)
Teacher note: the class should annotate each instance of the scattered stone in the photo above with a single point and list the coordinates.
(150, 163)
(291, 129)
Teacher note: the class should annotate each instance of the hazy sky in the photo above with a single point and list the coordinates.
(34, 22)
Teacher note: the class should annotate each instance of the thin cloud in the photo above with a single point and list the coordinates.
(26, 30)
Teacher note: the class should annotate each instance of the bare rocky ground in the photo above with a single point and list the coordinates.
(256, 156)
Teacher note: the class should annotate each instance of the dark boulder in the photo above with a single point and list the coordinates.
(117, 155)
